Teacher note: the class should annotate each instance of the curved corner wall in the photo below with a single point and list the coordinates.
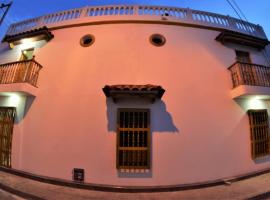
(198, 132)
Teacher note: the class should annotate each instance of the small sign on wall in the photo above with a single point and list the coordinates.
(78, 174)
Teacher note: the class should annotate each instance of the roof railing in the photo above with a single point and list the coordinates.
(184, 15)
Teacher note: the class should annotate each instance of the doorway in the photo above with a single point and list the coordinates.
(7, 116)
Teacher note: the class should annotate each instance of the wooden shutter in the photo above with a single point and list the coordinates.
(133, 139)
(259, 132)
(7, 116)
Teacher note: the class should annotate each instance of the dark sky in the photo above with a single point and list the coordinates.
(257, 12)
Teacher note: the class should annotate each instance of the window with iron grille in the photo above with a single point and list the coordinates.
(133, 138)
(259, 133)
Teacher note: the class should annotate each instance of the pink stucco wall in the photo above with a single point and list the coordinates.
(198, 131)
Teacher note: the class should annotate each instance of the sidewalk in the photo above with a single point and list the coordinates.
(7, 196)
(253, 188)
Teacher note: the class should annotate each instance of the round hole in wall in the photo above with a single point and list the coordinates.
(87, 40)
(157, 40)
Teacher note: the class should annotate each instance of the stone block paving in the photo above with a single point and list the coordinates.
(253, 188)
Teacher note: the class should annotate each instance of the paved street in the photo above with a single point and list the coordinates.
(254, 188)
(7, 196)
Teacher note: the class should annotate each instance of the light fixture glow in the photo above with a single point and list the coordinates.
(27, 43)
(256, 103)
(11, 45)
(26, 40)
(14, 100)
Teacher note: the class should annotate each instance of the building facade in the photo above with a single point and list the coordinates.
(135, 96)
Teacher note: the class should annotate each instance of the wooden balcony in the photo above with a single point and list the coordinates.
(20, 72)
(19, 76)
(250, 80)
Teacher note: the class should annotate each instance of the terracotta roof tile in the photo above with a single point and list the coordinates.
(155, 91)
(31, 33)
(242, 39)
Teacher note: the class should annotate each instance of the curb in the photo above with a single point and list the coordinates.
(129, 189)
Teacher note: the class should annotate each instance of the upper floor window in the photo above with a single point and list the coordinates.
(27, 54)
(243, 56)
(133, 138)
(259, 130)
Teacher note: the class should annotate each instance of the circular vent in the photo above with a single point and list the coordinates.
(157, 40)
(87, 40)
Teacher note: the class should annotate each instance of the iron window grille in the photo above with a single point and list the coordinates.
(7, 116)
(259, 133)
(133, 138)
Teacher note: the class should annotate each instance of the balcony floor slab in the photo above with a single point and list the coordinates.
(21, 88)
(247, 91)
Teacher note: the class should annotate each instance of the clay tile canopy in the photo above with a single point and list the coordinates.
(36, 34)
(242, 39)
(120, 91)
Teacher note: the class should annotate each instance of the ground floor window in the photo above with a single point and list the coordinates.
(7, 116)
(133, 138)
(259, 133)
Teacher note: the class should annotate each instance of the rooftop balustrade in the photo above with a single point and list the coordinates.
(142, 13)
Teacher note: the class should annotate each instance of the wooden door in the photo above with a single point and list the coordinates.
(7, 116)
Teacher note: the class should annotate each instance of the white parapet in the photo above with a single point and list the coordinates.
(141, 13)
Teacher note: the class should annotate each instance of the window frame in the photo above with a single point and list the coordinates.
(118, 148)
(258, 130)
(243, 54)
(23, 57)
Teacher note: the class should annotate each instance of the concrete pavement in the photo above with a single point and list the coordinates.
(7, 196)
(253, 188)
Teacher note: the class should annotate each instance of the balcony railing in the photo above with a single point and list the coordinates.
(20, 72)
(138, 12)
(250, 74)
